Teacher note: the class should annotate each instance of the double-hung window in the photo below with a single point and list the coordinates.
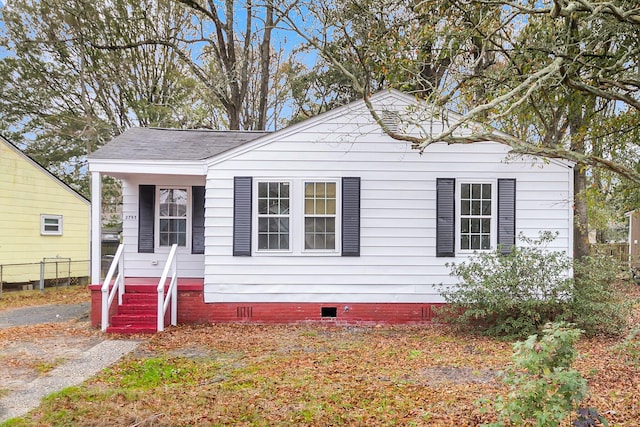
(172, 216)
(476, 221)
(297, 216)
(319, 215)
(273, 215)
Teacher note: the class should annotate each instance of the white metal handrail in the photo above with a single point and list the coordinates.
(171, 266)
(118, 285)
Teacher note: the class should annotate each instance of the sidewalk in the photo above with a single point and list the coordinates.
(82, 357)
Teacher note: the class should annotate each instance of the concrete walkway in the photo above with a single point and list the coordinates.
(74, 372)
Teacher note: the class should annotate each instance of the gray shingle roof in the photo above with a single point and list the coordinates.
(173, 144)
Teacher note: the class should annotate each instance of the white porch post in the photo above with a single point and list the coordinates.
(96, 226)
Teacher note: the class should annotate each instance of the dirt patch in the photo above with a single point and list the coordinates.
(455, 375)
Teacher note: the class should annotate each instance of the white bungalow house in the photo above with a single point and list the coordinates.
(328, 219)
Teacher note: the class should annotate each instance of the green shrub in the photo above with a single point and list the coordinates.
(513, 295)
(598, 305)
(543, 388)
(509, 295)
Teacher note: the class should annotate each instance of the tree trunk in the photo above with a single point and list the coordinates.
(265, 62)
(580, 219)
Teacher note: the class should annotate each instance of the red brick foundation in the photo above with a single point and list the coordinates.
(193, 309)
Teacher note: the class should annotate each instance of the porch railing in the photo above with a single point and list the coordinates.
(118, 286)
(171, 267)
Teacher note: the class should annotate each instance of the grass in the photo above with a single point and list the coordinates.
(311, 374)
(56, 295)
(281, 375)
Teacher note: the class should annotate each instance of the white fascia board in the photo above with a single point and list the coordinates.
(158, 167)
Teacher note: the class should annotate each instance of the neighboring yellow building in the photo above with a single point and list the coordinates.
(40, 218)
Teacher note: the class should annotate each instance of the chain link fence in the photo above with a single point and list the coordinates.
(50, 272)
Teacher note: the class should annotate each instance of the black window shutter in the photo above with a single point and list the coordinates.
(242, 186)
(351, 216)
(445, 217)
(146, 218)
(197, 220)
(506, 214)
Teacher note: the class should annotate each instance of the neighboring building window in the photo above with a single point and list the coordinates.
(51, 225)
(273, 215)
(172, 215)
(475, 216)
(320, 215)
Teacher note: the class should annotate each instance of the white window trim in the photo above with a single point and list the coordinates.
(156, 218)
(43, 218)
(255, 217)
(296, 218)
(338, 217)
(494, 213)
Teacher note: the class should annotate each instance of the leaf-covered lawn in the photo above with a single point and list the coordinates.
(56, 295)
(240, 374)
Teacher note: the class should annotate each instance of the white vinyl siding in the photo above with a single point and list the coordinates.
(397, 261)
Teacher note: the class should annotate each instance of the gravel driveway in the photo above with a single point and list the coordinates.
(44, 314)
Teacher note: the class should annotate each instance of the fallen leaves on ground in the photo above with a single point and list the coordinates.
(319, 374)
(55, 295)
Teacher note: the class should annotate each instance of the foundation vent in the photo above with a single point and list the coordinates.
(328, 312)
(244, 312)
(427, 312)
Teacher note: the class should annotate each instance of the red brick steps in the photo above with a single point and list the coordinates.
(138, 313)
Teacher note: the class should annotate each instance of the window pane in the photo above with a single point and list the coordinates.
(331, 190)
(320, 210)
(486, 242)
(309, 206)
(309, 189)
(475, 241)
(309, 225)
(464, 242)
(330, 241)
(331, 206)
(274, 206)
(284, 206)
(486, 226)
(274, 190)
(486, 207)
(465, 207)
(284, 241)
(284, 190)
(263, 224)
(464, 225)
(476, 192)
(475, 207)
(465, 191)
(262, 206)
(263, 242)
(262, 190)
(475, 225)
(486, 191)
(330, 224)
